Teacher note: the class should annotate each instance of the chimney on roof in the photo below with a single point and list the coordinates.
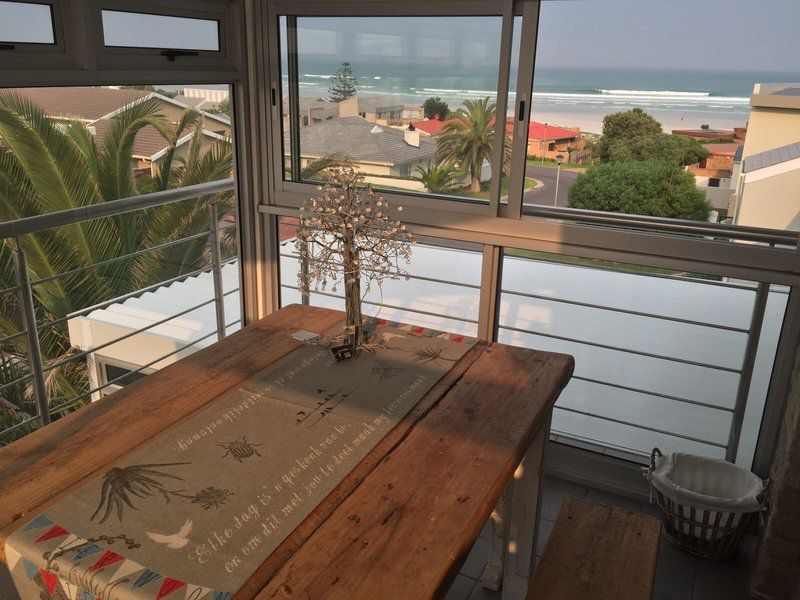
(348, 107)
(411, 137)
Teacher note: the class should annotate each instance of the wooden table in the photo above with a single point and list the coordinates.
(402, 522)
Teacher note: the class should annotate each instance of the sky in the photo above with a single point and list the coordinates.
(738, 35)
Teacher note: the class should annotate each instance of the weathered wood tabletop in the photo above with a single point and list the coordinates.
(401, 522)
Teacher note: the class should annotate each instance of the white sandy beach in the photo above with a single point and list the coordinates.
(590, 120)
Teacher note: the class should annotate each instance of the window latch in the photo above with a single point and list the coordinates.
(173, 54)
(521, 112)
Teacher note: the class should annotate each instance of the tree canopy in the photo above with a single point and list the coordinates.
(48, 165)
(438, 179)
(435, 108)
(677, 149)
(626, 125)
(467, 140)
(344, 84)
(655, 188)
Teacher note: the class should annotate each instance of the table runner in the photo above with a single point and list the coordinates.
(195, 511)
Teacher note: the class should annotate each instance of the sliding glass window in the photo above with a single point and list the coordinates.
(410, 102)
(625, 120)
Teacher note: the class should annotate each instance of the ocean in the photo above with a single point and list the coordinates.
(569, 96)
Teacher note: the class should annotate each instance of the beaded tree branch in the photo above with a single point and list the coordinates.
(348, 235)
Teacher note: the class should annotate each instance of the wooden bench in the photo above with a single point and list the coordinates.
(598, 552)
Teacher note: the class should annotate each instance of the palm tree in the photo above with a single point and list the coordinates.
(438, 179)
(315, 170)
(47, 166)
(468, 140)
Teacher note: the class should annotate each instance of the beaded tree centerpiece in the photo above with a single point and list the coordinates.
(348, 236)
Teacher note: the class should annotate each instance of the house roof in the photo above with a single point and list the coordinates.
(537, 131)
(149, 143)
(722, 149)
(771, 157)
(429, 126)
(543, 131)
(83, 103)
(362, 141)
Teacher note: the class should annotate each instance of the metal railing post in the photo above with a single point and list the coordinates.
(29, 318)
(216, 267)
(746, 375)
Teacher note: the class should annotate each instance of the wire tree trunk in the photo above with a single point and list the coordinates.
(354, 322)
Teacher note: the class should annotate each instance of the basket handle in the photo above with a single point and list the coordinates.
(656, 452)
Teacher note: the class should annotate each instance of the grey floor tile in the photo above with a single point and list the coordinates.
(610, 499)
(545, 528)
(675, 576)
(461, 588)
(479, 593)
(721, 579)
(555, 491)
(476, 561)
(7, 591)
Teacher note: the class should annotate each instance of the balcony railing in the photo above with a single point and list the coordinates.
(35, 370)
(673, 373)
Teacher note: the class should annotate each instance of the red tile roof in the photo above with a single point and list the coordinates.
(429, 126)
(541, 131)
(537, 131)
(722, 149)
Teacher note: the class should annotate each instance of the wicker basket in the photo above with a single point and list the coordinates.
(696, 527)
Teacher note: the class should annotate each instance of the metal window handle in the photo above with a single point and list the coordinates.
(173, 54)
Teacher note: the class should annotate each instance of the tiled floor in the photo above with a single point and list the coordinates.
(679, 576)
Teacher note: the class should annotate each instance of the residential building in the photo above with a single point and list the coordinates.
(543, 139)
(374, 149)
(96, 108)
(548, 141)
(707, 133)
(202, 98)
(716, 169)
(382, 110)
(767, 187)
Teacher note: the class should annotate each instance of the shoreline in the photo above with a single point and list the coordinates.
(591, 121)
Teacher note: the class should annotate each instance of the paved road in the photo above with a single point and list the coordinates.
(545, 193)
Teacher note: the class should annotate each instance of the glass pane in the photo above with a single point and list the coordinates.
(123, 293)
(121, 376)
(23, 22)
(442, 292)
(141, 30)
(657, 354)
(408, 101)
(649, 120)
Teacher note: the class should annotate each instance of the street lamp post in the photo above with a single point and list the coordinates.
(559, 160)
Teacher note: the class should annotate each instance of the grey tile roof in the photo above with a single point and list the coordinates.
(771, 157)
(362, 141)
